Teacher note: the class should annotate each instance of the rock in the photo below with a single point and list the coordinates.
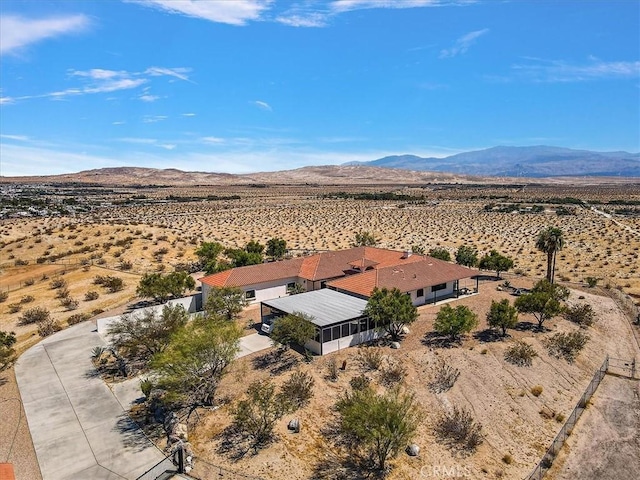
(547, 413)
(405, 330)
(294, 425)
(413, 450)
(395, 345)
(180, 431)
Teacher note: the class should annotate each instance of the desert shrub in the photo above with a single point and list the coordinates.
(126, 265)
(91, 295)
(520, 353)
(113, 284)
(14, 307)
(457, 428)
(392, 374)
(581, 314)
(4, 296)
(27, 299)
(7, 352)
(567, 345)
(146, 385)
(256, 416)
(21, 263)
(560, 418)
(507, 458)
(536, 391)
(34, 315)
(69, 303)
(370, 358)
(62, 293)
(58, 283)
(48, 326)
(29, 281)
(443, 377)
(77, 318)
(360, 382)
(297, 390)
(591, 281)
(332, 370)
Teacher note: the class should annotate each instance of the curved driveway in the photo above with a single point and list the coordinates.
(79, 428)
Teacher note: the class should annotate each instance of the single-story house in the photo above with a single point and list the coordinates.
(355, 271)
(338, 318)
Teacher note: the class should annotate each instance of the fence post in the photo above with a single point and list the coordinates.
(181, 459)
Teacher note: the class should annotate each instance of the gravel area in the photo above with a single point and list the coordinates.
(16, 446)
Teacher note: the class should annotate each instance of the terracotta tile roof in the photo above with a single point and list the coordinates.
(425, 272)
(253, 274)
(321, 266)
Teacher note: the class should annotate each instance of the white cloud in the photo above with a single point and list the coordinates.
(167, 146)
(559, 71)
(180, 72)
(312, 19)
(463, 43)
(20, 138)
(153, 118)
(188, 114)
(148, 98)
(17, 32)
(262, 105)
(213, 140)
(6, 100)
(348, 5)
(138, 140)
(233, 12)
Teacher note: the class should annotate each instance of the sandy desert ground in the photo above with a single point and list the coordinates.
(128, 241)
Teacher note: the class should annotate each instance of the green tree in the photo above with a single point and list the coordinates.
(208, 254)
(467, 256)
(365, 239)
(257, 415)
(440, 253)
(146, 333)
(276, 248)
(495, 261)
(7, 352)
(543, 302)
(391, 310)
(417, 249)
(294, 328)
(502, 315)
(225, 302)
(161, 287)
(242, 258)
(378, 425)
(455, 321)
(194, 362)
(549, 241)
(254, 247)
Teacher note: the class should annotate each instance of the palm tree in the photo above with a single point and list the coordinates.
(550, 240)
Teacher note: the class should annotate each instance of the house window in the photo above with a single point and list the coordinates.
(442, 286)
(420, 292)
(326, 335)
(250, 295)
(345, 329)
(291, 287)
(336, 332)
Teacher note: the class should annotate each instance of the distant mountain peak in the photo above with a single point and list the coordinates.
(515, 161)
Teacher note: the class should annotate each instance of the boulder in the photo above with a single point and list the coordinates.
(395, 345)
(294, 425)
(413, 450)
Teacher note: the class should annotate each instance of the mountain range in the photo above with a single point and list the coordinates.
(532, 162)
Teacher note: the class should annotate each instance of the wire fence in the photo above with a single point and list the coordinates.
(551, 453)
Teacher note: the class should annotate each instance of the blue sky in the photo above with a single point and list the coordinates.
(257, 85)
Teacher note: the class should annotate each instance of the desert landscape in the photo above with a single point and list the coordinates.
(158, 229)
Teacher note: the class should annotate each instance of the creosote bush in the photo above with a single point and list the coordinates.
(581, 314)
(444, 377)
(392, 374)
(4, 296)
(520, 354)
(58, 283)
(48, 326)
(567, 345)
(34, 315)
(360, 382)
(298, 389)
(536, 390)
(370, 358)
(78, 318)
(332, 370)
(457, 428)
(91, 295)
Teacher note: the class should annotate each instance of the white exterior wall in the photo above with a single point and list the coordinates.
(264, 291)
(428, 294)
(345, 342)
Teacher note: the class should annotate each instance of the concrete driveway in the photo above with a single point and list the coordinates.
(253, 343)
(79, 429)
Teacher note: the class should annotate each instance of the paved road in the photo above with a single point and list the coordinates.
(79, 429)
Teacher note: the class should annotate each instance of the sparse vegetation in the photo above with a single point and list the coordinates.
(520, 353)
(536, 391)
(567, 345)
(370, 358)
(581, 314)
(443, 377)
(7, 352)
(34, 315)
(457, 428)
